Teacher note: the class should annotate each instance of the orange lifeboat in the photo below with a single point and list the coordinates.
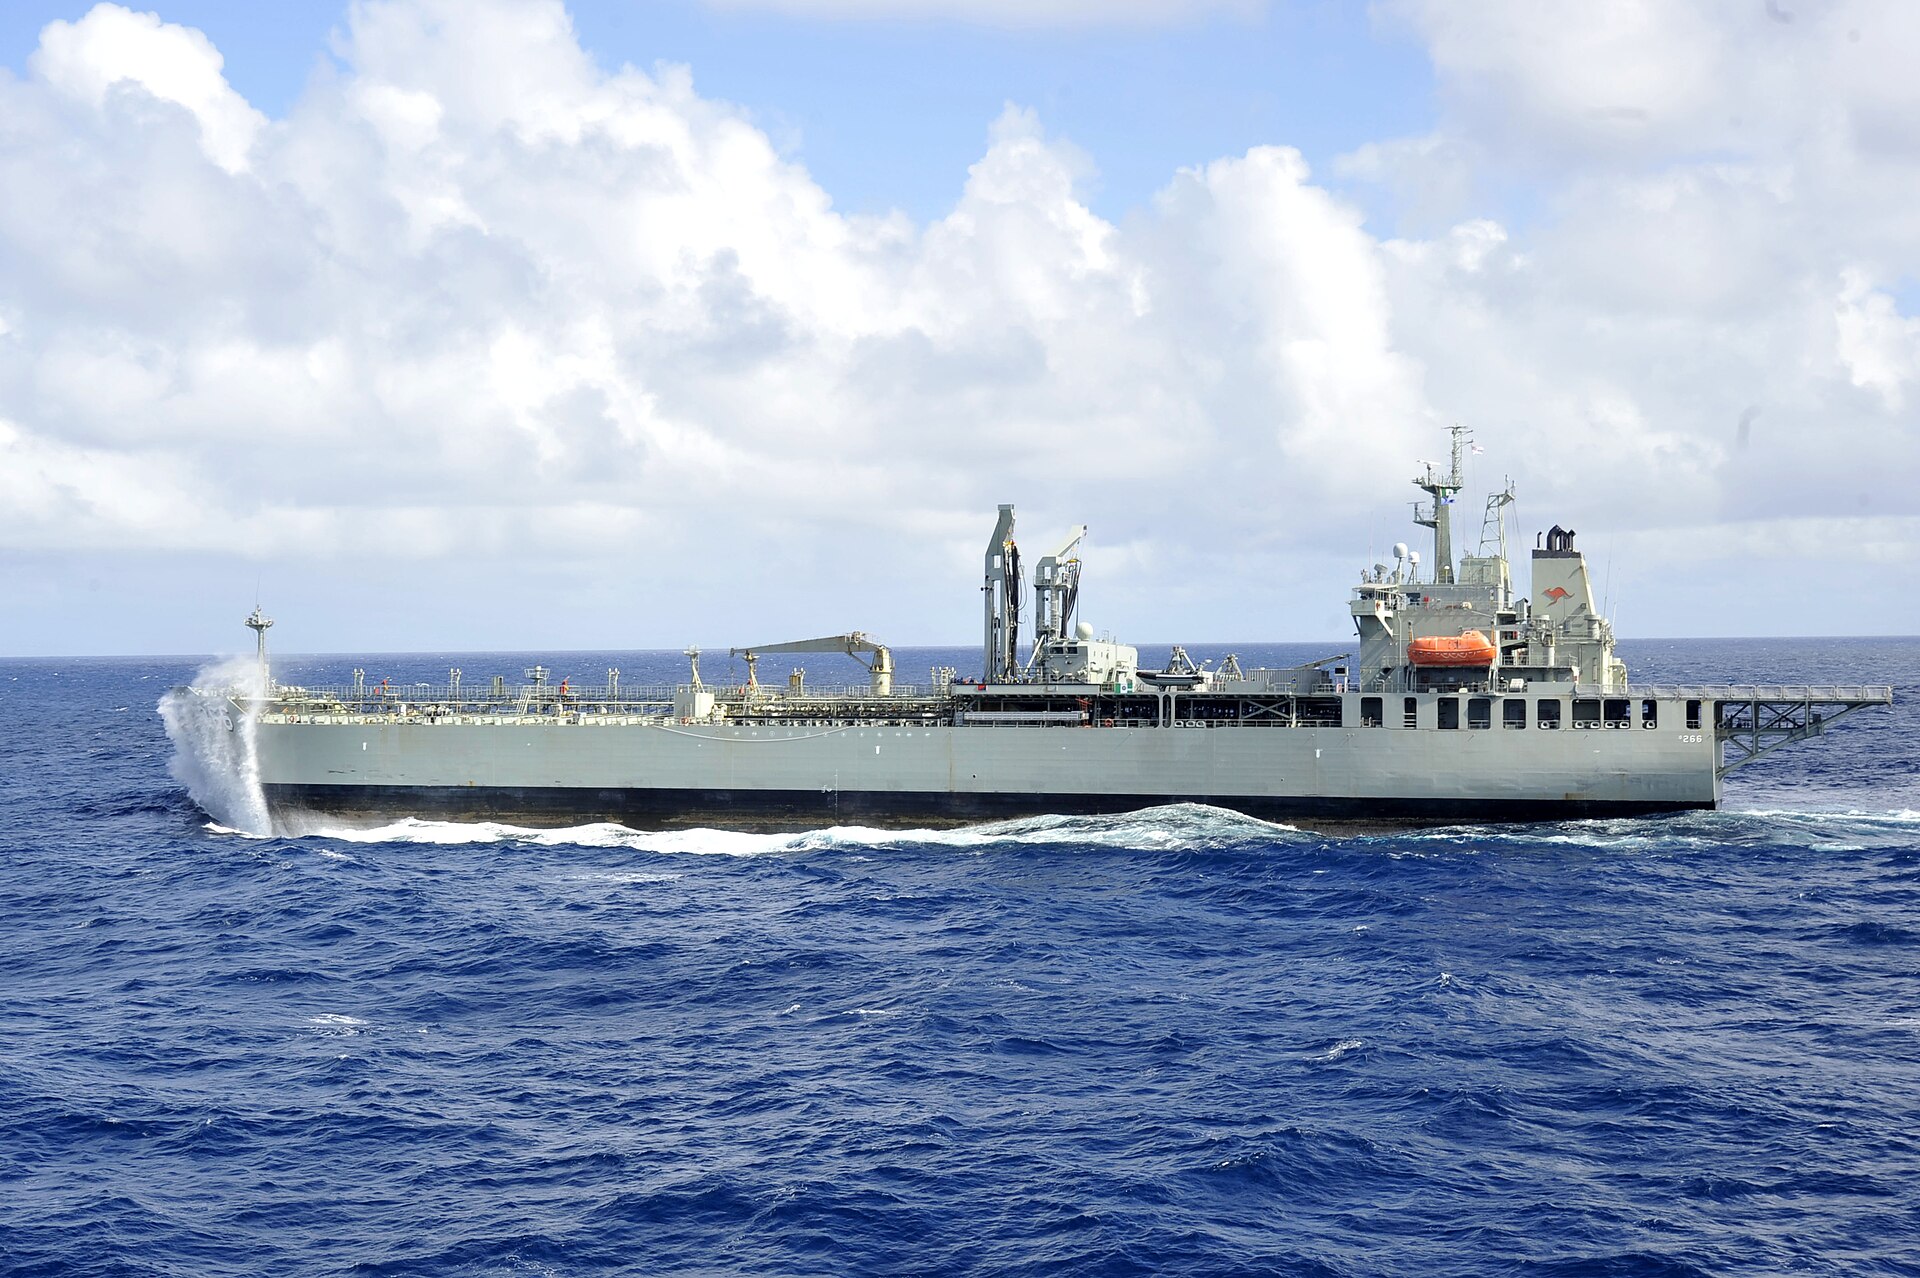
(1469, 649)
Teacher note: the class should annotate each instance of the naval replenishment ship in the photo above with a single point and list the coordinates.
(1462, 700)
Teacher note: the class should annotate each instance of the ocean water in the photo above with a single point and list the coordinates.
(1176, 1042)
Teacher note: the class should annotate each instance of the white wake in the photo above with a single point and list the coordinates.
(1177, 827)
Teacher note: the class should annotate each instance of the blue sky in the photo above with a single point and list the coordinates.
(889, 114)
(311, 300)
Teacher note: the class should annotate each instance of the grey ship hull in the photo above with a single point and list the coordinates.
(651, 774)
(793, 810)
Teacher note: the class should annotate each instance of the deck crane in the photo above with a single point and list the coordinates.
(873, 655)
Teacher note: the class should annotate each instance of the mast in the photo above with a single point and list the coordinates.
(258, 622)
(1439, 516)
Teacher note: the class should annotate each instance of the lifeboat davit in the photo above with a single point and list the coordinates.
(1469, 649)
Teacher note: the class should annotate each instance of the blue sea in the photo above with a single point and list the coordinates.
(1175, 1042)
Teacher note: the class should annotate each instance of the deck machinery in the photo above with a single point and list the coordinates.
(1463, 701)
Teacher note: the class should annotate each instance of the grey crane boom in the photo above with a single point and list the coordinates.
(870, 653)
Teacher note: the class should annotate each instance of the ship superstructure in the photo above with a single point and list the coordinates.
(1463, 701)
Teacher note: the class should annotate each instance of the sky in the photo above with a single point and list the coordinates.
(516, 325)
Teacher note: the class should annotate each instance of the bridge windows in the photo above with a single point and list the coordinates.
(1449, 712)
(1586, 712)
(1372, 713)
(1693, 714)
(1513, 713)
(1549, 714)
(1480, 712)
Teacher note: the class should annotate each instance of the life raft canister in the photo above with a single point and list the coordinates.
(1469, 649)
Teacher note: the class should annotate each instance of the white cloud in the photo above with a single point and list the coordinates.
(1602, 76)
(476, 300)
(1011, 13)
(1705, 296)
(432, 316)
(1879, 347)
(112, 47)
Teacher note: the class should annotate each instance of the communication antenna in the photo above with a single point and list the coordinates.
(1606, 590)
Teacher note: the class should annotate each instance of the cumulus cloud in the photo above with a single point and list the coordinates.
(476, 296)
(477, 300)
(111, 47)
(1705, 297)
(1879, 347)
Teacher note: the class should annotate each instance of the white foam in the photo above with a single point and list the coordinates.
(1816, 816)
(622, 877)
(336, 1025)
(214, 752)
(594, 835)
(1173, 827)
(1340, 1049)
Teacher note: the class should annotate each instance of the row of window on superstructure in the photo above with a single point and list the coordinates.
(1520, 713)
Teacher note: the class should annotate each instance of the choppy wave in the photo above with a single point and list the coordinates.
(1681, 833)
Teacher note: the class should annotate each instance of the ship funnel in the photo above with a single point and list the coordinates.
(1562, 587)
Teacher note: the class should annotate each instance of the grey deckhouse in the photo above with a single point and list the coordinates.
(1555, 636)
